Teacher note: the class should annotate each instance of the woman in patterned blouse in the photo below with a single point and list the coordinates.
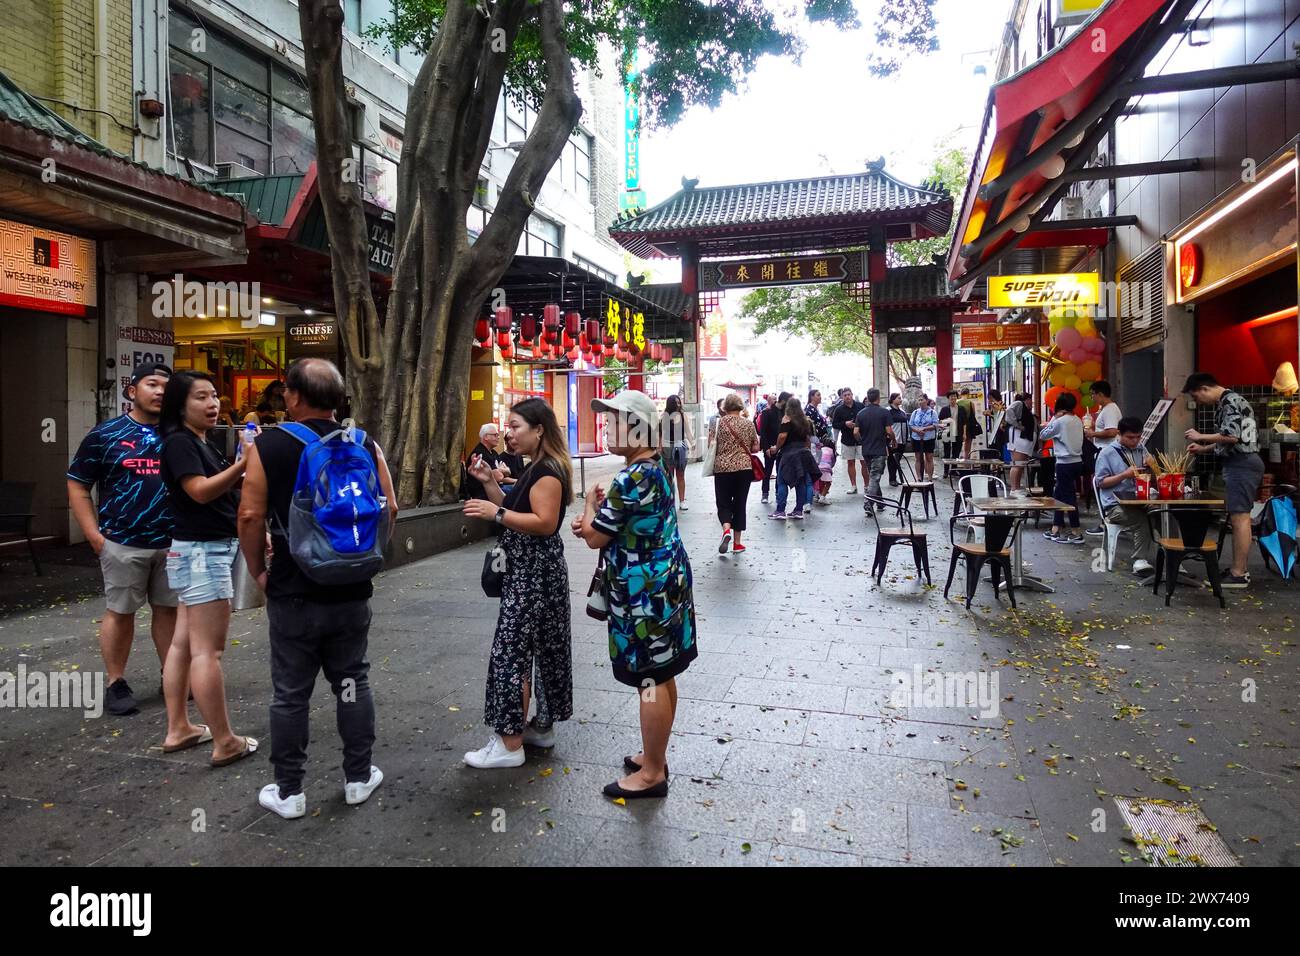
(733, 469)
(647, 583)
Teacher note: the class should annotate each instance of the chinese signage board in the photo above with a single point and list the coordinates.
(136, 346)
(47, 271)
(1044, 291)
(622, 319)
(713, 340)
(783, 270)
(998, 336)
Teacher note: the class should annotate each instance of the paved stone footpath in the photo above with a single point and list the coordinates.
(792, 746)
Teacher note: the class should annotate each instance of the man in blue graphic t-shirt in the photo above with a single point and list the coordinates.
(132, 530)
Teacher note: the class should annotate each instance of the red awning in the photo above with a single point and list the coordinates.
(1025, 110)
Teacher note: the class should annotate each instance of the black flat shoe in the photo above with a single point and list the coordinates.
(660, 789)
(634, 767)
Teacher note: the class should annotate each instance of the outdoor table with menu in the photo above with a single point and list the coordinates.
(1017, 506)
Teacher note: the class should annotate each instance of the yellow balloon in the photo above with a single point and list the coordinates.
(1067, 369)
(1069, 381)
(1089, 371)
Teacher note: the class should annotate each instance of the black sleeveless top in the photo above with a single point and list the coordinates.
(517, 496)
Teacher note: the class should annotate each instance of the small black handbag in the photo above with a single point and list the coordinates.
(494, 571)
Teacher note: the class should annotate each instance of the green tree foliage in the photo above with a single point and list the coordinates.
(903, 28)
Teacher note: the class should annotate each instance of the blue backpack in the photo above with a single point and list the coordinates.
(338, 517)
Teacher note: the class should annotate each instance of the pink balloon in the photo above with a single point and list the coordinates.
(1068, 339)
(1080, 355)
(1096, 345)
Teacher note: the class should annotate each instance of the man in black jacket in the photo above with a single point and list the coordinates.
(769, 430)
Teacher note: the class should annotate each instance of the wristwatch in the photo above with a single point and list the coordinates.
(501, 516)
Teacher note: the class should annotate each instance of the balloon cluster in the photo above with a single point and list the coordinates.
(1083, 349)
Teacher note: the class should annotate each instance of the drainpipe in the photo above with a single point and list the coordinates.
(101, 71)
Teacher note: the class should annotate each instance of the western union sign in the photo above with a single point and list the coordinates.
(1044, 291)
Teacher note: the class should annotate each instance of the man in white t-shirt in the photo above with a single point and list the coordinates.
(1105, 426)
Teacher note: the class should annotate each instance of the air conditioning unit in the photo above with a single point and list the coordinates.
(235, 171)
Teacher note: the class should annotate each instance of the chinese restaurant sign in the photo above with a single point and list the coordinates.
(47, 271)
(783, 270)
(998, 336)
(1044, 291)
(631, 135)
(620, 318)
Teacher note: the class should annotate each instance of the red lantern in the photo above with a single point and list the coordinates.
(598, 360)
(482, 335)
(551, 318)
(505, 317)
(568, 341)
(527, 331)
(593, 331)
(571, 322)
(573, 354)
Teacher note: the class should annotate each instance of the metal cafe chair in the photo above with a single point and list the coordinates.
(903, 533)
(924, 488)
(994, 550)
(16, 515)
(975, 486)
(1194, 524)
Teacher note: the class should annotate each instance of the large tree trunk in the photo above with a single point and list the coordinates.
(440, 282)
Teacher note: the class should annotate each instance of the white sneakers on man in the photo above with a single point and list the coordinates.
(1142, 567)
(359, 791)
(291, 808)
(495, 755)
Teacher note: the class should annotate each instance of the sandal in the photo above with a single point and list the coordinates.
(202, 737)
(250, 747)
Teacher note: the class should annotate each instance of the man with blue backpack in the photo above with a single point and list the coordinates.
(326, 493)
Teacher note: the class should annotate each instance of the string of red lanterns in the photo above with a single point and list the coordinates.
(566, 336)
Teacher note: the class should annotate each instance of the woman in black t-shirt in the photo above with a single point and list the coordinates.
(201, 486)
(533, 627)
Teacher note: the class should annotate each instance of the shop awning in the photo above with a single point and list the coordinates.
(534, 282)
(156, 221)
(1046, 119)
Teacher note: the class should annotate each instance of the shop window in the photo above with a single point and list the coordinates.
(191, 119)
(294, 141)
(581, 147)
(540, 238)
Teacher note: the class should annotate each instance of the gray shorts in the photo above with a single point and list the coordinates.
(851, 452)
(1242, 475)
(132, 575)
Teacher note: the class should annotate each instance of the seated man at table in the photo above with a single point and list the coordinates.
(1117, 468)
(489, 437)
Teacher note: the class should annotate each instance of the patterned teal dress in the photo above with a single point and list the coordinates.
(652, 635)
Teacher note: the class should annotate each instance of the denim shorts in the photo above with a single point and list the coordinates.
(200, 571)
(675, 457)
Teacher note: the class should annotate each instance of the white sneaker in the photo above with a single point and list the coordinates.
(683, 507)
(536, 738)
(1142, 567)
(495, 755)
(359, 791)
(291, 809)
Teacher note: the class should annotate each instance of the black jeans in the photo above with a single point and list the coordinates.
(1066, 491)
(731, 492)
(306, 638)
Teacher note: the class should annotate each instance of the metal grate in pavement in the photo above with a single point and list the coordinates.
(1173, 834)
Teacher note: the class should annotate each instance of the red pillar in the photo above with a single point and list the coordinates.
(636, 375)
(943, 359)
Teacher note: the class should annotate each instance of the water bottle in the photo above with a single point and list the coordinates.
(250, 429)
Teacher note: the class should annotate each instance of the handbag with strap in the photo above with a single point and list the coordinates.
(597, 599)
(710, 461)
(494, 572)
(756, 463)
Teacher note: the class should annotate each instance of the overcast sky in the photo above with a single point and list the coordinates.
(826, 115)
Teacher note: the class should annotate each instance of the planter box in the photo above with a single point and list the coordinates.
(423, 532)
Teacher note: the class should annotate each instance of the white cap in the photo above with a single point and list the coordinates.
(629, 402)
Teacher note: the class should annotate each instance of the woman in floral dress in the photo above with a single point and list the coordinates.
(647, 582)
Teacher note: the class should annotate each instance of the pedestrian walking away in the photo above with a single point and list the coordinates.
(532, 650)
(1235, 444)
(647, 587)
(769, 430)
(315, 627)
(796, 466)
(201, 487)
(733, 471)
(1066, 433)
(130, 530)
(874, 430)
(676, 439)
